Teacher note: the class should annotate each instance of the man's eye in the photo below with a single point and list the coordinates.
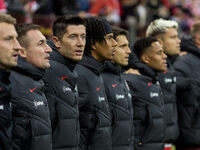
(8, 38)
(83, 37)
(72, 36)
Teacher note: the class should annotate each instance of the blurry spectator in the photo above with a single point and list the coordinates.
(16, 9)
(108, 8)
(66, 7)
(84, 5)
(3, 8)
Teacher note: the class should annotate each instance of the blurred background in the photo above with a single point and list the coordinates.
(133, 15)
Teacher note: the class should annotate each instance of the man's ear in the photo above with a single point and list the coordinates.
(160, 40)
(144, 58)
(22, 52)
(93, 45)
(56, 42)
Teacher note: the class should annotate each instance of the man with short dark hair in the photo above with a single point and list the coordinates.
(148, 103)
(69, 37)
(95, 121)
(117, 91)
(9, 50)
(31, 121)
(166, 31)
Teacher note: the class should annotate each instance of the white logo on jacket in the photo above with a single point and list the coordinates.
(38, 103)
(101, 99)
(119, 96)
(168, 80)
(152, 94)
(129, 95)
(174, 79)
(1, 107)
(66, 89)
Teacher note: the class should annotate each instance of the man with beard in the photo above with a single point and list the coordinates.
(69, 37)
(9, 50)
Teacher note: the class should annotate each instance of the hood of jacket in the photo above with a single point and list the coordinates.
(55, 55)
(96, 66)
(4, 76)
(188, 45)
(112, 67)
(28, 69)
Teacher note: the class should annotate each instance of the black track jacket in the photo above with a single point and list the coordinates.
(61, 93)
(31, 121)
(120, 102)
(187, 67)
(95, 121)
(5, 111)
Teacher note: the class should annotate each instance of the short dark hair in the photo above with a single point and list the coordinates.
(142, 45)
(60, 24)
(22, 29)
(119, 31)
(95, 32)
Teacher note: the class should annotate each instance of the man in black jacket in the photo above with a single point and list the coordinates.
(187, 67)
(148, 103)
(60, 81)
(166, 31)
(95, 121)
(31, 121)
(118, 94)
(9, 50)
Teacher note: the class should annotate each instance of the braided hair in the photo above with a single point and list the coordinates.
(95, 32)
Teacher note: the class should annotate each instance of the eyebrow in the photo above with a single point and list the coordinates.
(123, 45)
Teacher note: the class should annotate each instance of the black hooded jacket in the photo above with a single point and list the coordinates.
(31, 121)
(5, 111)
(187, 67)
(168, 83)
(95, 121)
(61, 93)
(120, 102)
(148, 106)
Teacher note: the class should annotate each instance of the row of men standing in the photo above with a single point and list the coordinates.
(63, 101)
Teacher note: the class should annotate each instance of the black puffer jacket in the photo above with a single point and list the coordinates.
(31, 121)
(120, 102)
(187, 67)
(148, 106)
(5, 111)
(61, 93)
(95, 121)
(168, 84)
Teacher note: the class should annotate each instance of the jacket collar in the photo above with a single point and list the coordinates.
(112, 67)
(4, 76)
(28, 69)
(55, 55)
(91, 63)
(188, 45)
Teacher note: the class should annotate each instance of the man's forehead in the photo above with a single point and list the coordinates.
(70, 27)
(7, 29)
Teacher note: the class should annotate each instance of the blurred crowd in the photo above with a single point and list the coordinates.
(133, 15)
